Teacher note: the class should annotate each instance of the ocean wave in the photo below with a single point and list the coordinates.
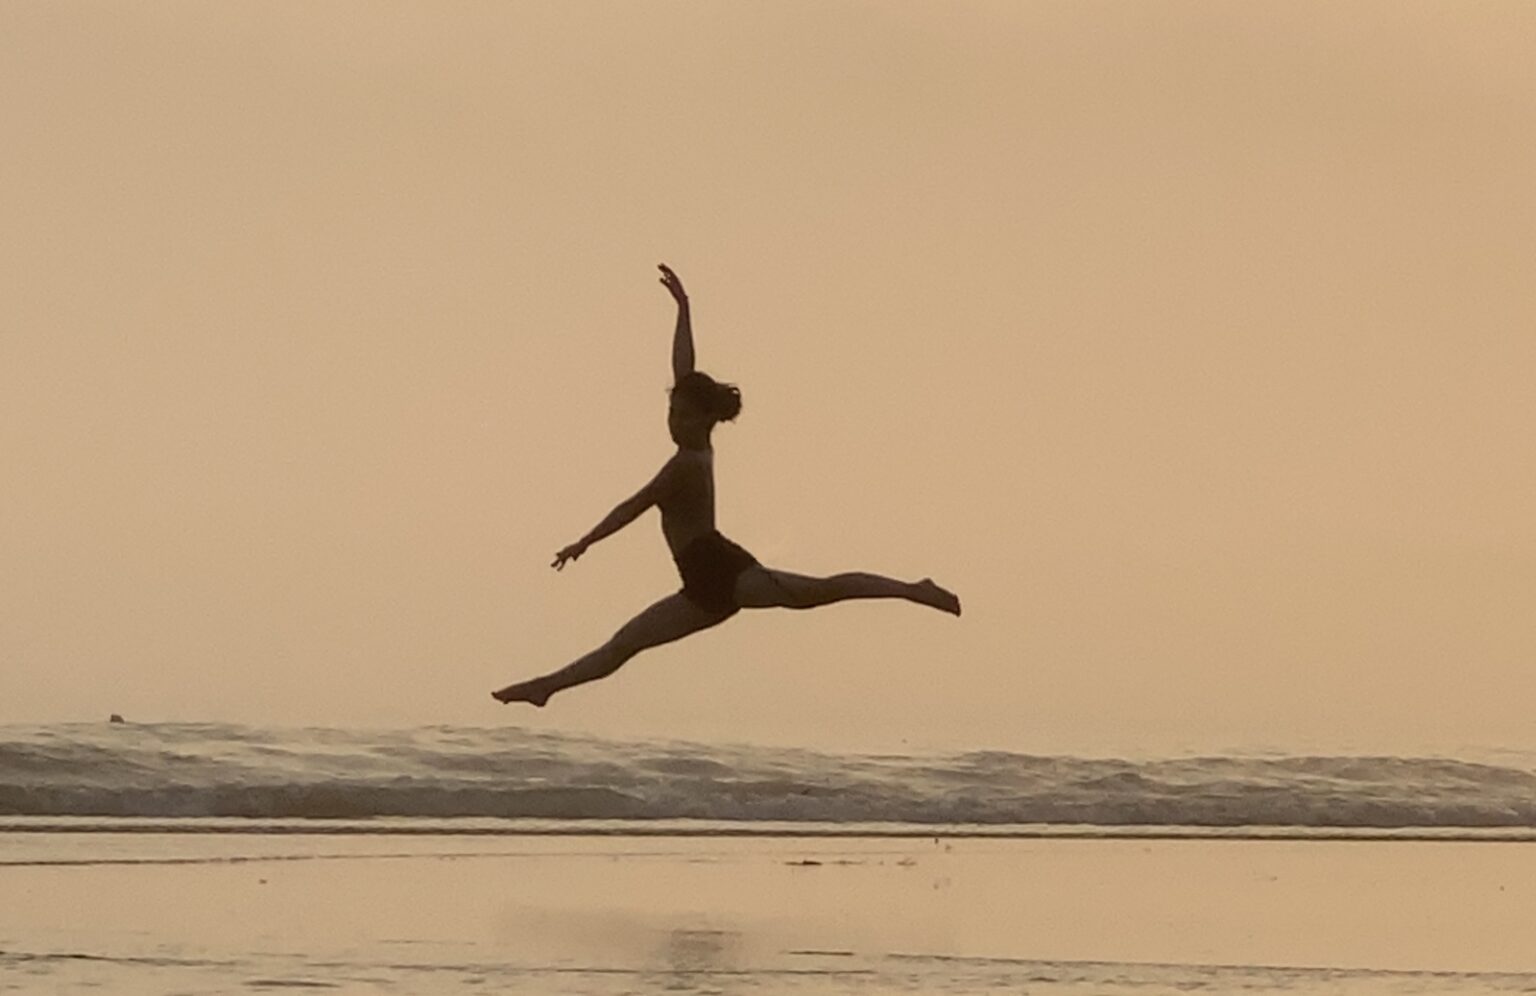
(219, 770)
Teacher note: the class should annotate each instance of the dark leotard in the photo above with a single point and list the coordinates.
(709, 566)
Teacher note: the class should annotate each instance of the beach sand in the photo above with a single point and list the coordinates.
(220, 913)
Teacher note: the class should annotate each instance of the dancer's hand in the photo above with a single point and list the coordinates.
(569, 553)
(673, 283)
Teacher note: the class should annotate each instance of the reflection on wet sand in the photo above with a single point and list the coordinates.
(701, 960)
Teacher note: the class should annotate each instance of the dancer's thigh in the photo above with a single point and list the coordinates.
(672, 618)
(760, 587)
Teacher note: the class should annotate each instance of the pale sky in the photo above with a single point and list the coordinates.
(1191, 343)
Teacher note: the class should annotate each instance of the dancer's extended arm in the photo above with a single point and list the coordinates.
(623, 514)
(682, 337)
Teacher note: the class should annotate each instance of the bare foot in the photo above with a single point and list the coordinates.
(929, 593)
(524, 691)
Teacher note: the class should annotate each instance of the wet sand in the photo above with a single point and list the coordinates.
(209, 913)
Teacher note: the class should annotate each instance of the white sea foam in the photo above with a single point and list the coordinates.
(220, 770)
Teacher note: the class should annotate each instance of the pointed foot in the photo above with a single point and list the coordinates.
(930, 593)
(523, 691)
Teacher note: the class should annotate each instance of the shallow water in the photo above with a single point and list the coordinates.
(427, 912)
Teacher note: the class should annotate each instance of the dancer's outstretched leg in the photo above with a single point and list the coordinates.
(761, 587)
(672, 618)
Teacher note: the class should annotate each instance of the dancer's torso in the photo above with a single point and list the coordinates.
(688, 506)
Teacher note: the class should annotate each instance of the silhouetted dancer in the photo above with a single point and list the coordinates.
(719, 577)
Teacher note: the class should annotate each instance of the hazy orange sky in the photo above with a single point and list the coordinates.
(1191, 343)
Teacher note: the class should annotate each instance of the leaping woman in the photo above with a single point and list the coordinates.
(719, 577)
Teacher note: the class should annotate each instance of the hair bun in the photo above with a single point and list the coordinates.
(727, 402)
(722, 402)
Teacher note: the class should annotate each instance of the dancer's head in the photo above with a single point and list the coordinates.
(698, 402)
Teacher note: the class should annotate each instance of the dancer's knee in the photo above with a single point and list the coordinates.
(620, 647)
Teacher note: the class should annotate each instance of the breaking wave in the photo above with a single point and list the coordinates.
(220, 770)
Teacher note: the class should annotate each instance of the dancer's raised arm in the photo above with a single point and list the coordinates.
(623, 514)
(682, 338)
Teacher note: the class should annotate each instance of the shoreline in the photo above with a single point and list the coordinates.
(412, 826)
